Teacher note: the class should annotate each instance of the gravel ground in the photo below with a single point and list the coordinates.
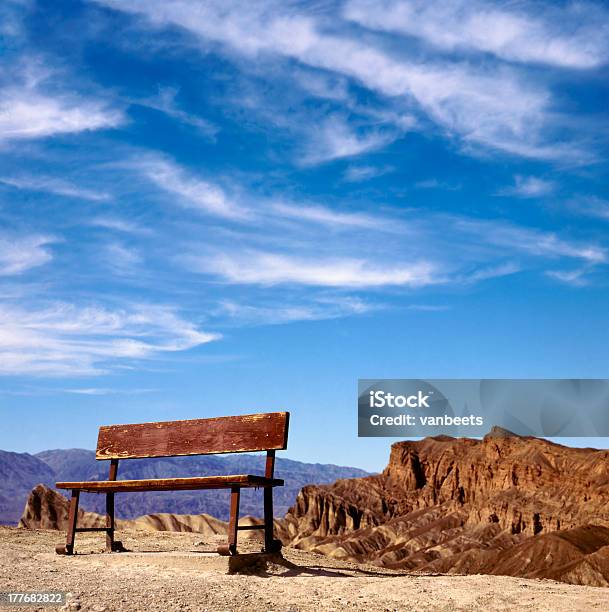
(166, 571)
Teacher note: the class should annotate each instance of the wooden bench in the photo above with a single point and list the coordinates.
(239, 434)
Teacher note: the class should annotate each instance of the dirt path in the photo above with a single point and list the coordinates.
(184, 580)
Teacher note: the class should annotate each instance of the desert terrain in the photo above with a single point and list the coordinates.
(503, 523)
(170, 571)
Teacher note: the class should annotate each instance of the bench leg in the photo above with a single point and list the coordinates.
(270, 545)
(231, 548)
(68, 549)
(109, 522)
(112, 545)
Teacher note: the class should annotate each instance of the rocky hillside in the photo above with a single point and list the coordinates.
(20, 472)
(503, 505)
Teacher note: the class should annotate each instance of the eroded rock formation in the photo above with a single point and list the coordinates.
(504, 504)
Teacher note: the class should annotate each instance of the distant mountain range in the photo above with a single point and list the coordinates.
(20, 472)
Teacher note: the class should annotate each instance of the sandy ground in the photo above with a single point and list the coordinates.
(167, 571)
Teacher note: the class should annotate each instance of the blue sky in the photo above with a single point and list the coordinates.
(224, 207)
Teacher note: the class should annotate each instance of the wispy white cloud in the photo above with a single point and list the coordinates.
(63, 339)
(495, 107)
(28, 114)
(12, 13)
(574, 277)
(192, 191)
(336, 139)
(529, 187)
(119, 225)
(436, 184)
(574, 35)
(358, 174)
(165, 102)
(38, 100)
(54, 185)
(21, 253)
(37, 390)
(267, 269)
(590, 206)
(428, 307)
(532, 241)
(321, 85)
(488, 272)
(307, 310)
(105, 391)
(419, 248)
(333, 218)
(121, 259)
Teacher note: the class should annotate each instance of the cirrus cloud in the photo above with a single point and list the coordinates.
(26, 114)
(267, 269)
(19, 254)
(571, 36)
(64, 339)
(492, 106)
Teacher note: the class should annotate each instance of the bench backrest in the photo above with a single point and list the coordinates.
(236, 434)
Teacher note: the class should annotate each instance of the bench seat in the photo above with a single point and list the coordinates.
(171, 484)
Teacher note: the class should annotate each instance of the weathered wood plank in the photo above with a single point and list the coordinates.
(171, 484)
(237, 434)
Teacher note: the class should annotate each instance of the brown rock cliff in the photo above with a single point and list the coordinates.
(465, 505)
